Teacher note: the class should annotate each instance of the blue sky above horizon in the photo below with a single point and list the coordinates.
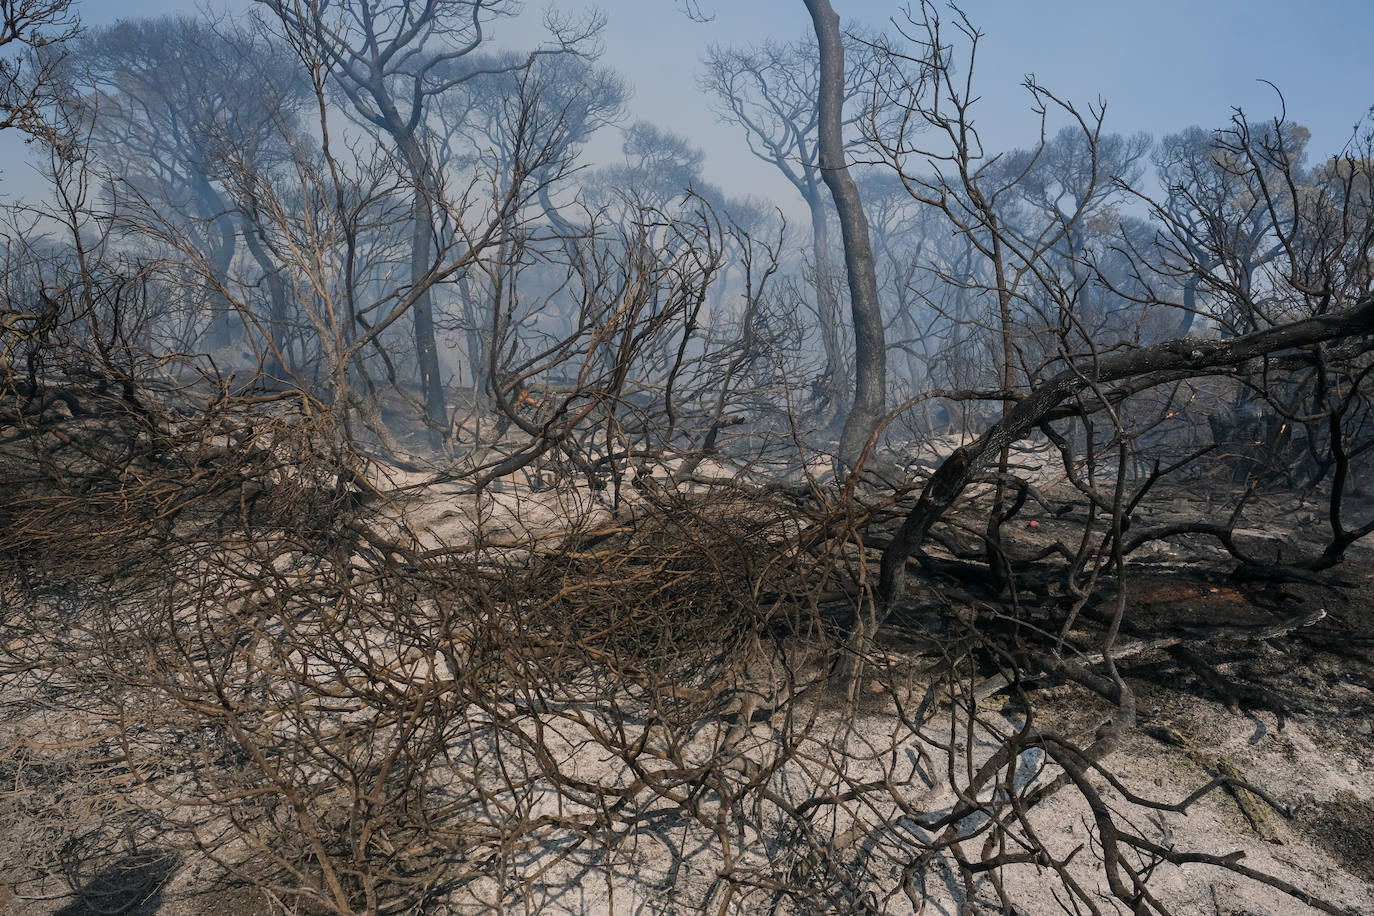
(1160, 66)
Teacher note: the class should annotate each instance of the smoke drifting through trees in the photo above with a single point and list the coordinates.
(419, 518)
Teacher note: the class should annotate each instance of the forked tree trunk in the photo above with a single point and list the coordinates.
(276, 364)
(221, 238)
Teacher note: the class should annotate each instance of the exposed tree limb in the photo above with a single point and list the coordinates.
(1166, 360)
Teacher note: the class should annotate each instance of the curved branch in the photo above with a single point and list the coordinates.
(1168, 358)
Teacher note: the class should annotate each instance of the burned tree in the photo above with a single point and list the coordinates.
(393, 63)
(33, 39)
(585, 663)
(1317, 297)
(785, 97)
(183, 106)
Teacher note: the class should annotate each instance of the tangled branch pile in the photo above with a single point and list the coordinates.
(603, 612)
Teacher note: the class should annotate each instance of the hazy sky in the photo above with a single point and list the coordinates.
(1161, 65)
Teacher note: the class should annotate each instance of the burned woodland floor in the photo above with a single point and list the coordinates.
(623, 737)
(1271, 682)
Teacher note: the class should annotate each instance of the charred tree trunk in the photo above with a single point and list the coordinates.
(221, 238)
(832, 386)
(421, 256)
(870, 351)
(276, 365)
